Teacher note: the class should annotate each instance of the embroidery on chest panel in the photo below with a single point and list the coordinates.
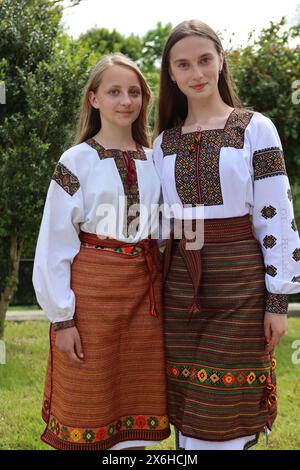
(197, 166)
(126, 167)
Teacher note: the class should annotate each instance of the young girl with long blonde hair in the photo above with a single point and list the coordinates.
(98, 278)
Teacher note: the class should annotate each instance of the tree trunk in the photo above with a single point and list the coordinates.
(12, 278)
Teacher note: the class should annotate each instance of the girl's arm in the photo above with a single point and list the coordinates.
(58, 243)
(274, 227)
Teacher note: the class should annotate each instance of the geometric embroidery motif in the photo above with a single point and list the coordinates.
(294, 225)
(268, 212)
(66, 179)
(124, 162)
(222, 378)
(94, 435)
(271, 270)
(269, 241)
(268, 162)
(125, 250)
(277, 303)
(197, 172)
(296, 254)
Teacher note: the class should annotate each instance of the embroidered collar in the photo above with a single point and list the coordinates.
(230, 121)
(138, 154)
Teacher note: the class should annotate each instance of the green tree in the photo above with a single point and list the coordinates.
(42, 96)
(152, 46)
(97, 42)
(265, 72)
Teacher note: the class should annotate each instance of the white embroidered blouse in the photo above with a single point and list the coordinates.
(236, 171)
(88, 181)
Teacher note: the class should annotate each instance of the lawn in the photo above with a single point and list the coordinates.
(21, 387)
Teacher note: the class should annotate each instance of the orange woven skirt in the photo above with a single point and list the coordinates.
(119, 393)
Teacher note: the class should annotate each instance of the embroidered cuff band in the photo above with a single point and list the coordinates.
(277, 303)
(62, 325)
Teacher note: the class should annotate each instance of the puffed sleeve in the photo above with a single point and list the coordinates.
(158, 155)
(165, 223)
(273, 216)
(58, 243)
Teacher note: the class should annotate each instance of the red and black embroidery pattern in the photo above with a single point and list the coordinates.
(268, 212)
(126, 167)
(268, 162)
(271, 270)
(277, 303)
(134, 425)
(218, 377)
(66, 179)
(296, 254)
(197, 170)
(269, 241)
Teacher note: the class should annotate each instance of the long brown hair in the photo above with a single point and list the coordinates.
(172, 103)
(89, 120)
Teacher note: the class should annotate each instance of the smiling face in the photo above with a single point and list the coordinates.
(118, 97)
(195, 65)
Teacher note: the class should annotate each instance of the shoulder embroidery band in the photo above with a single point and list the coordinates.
(66, 179)
(268, 162)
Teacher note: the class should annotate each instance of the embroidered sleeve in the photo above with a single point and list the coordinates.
(66, 179)
(273, 217)
(165, 224)
(58, 243)
(268, 162)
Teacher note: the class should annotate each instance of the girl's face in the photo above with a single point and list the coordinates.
(118, 97)
(195, 65)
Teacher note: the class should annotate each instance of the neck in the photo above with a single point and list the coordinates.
(111, 136)
(202, 112)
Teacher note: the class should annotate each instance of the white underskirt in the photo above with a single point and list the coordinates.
(189, 443)
(126, 444)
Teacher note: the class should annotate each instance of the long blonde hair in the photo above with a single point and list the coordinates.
(89, 120)
(172, 103)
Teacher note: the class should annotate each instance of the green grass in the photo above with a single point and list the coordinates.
(22, 381)
(21, 309)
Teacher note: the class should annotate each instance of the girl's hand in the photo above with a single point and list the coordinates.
(275, 327)
(68, 341)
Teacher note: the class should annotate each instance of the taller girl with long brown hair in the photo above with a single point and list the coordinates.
(226, 304)
(98, 278)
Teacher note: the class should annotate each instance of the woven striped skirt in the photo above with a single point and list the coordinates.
(221, 382)
(119, 393)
